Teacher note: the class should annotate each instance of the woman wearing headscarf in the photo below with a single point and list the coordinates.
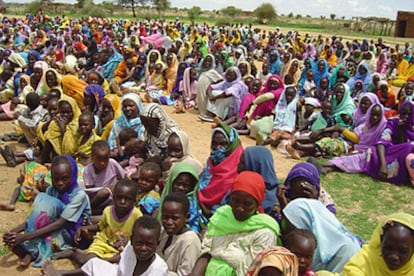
(392, 157)
(362, 74)
(107, 69)
(171, 72)
(259, 159)
(339, 74)
(320, 70)
(239, 231)
(275, 260)
(51, 79)
(33, 56)
(55, 217)
(225, 97)
(92, 97)
(342, 103)
(131, 107)
(208, 75)
(201, 46)
(73, 87)
(274, 62)
(157, 128)
(16, 64)
(294, 69)
(365, 102)
(61, 133)
(221, 167)
(336, 245)
(110, 111)
(303, 180)
(38, 71)
(378, 257)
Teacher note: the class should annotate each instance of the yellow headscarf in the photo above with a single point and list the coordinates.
(368, 261)
(58, 78)
(67, 143)
(73, 87)
(115, 102)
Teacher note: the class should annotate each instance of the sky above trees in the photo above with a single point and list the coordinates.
(314, 8)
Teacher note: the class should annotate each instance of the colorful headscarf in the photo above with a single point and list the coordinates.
(231, 135)
(278, 257)
(251, 183)
(97, 92)
(305, 170)
(65, 196)
(369, 260)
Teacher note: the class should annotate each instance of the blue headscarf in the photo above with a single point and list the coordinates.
(259, 159)
(276, 65)
(139, 73)
(97, 92)
(365, 78)
(180, 77)
(65, 196)
(318, 75)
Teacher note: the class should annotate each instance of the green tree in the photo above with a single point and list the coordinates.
(333, 16)
(109, 6)
(81, 3)
(193, 13)
(265, 12)
(290, 15)
(298, 16)
(161, 5)
(231, 11)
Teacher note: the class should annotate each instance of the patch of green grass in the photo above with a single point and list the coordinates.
(362, 201)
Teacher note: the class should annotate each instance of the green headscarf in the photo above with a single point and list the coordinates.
(231, 135)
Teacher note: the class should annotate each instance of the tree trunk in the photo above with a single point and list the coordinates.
(133, 8)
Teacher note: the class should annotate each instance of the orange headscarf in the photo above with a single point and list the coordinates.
(251, 183)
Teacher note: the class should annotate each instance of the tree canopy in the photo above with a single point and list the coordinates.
(265, 12)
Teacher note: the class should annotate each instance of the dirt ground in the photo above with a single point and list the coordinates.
(199, 133)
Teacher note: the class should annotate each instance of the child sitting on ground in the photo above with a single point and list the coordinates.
(123, 137)
(100, 176)
(112, 231)
(85, 138)
(302, 243)
(137, 258)
(179, 246)
(137, 152)
(148, 199)
(157, 82)
(309, 85)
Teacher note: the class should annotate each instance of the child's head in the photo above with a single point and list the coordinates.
(324, 83)
(290, 94)
(265, 68)
(144, 238)
(54, 93)
(358, 86)
(130, 63)
(62, 174)
(136, 147)
(174, 146)
(327, 109)
(86, 123)
(310, 75)
(288, 79)
(158, 68)
(255, 86)
(408, 88)
(125, 135)
(185, 178)
(302, 243)
(100, 155)
(43, 100)
(32, 101)
(193, 74)
(125, 194)
(175, 213)
(148, 175)
(397, 244)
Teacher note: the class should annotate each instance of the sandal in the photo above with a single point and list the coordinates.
(8, 156)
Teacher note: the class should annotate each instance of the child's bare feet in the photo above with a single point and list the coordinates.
(48, 269)
(6, 207)
(25, 261)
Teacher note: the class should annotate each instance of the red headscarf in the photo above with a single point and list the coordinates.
(251, 183)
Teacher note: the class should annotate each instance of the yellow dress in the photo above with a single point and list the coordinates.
(113, 231)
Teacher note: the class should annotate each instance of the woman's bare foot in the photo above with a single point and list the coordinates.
(6, 207)
(48, 269)
(292, 152)
(25, 261)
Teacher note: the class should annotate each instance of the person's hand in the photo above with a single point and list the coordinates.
(15, 239)
(16, 114)
(281, 196)
(335, 134)
(309, 191)
(61, 121)
(41, 185)
(383, 173)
